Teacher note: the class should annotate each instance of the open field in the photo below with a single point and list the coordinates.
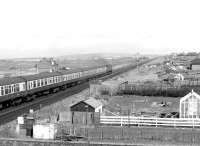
(16, 67)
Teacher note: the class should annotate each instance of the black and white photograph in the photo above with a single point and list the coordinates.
(99, 73)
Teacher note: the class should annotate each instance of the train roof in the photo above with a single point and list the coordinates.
(10, 80)
(41, 75)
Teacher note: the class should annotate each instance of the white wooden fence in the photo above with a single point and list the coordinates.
(149, 121)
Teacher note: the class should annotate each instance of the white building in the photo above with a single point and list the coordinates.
(44, 131)
(190, 105)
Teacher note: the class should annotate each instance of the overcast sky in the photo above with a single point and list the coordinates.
(34, 28)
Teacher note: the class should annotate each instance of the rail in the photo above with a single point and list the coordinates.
(149, 121)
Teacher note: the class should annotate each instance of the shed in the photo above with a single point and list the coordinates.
(195, 64)
(190, 105)
(86, 112)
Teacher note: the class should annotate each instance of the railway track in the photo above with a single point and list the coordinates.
(13, 112)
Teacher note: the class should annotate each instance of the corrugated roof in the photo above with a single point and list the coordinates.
(93, 102)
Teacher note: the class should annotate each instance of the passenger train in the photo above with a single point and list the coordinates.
(15, 90)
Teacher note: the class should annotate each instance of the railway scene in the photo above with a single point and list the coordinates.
(99, 73)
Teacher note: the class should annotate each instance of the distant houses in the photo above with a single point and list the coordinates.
(46, 65)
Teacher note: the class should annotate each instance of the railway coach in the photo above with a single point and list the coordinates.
(16, 90)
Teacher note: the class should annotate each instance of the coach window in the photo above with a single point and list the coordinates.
(38, 83)
(17, 87)
(28, 85)
(42, 82)
(34, 84)
(31, 84)
(12, 88)
(45, 81)
(9, 89)
(6, 89)
(59, 79)
(64, 77)
(54, 79)
(2, 90)
(51, 80)
(48, 81)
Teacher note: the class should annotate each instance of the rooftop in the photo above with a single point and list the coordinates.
(90, 101)
(93, 102)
